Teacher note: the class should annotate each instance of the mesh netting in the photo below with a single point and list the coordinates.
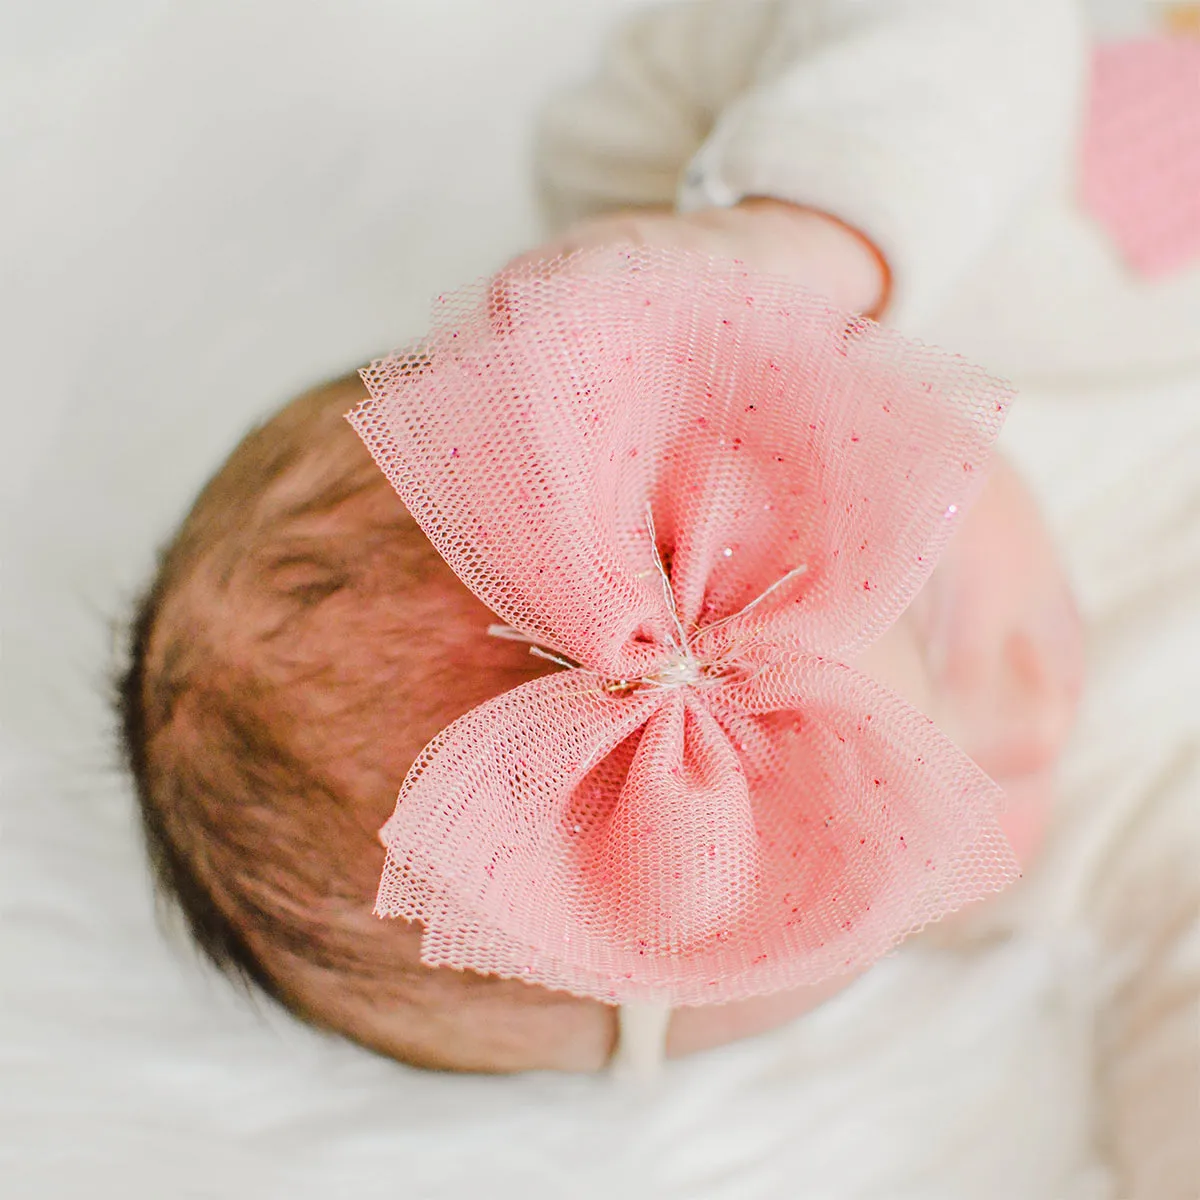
(708, 489)
(1141, 151)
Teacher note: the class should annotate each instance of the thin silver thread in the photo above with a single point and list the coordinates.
(538, 652)
(668, 591)
(794, 573)
(508, 633)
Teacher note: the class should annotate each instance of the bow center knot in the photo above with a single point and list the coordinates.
(682, 669)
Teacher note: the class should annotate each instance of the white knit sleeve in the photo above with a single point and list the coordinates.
(623, 137)
(922, 123)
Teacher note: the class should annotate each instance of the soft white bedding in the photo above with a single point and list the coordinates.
(213, 204)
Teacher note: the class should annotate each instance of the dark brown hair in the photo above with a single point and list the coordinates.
(242, 821)
(299, 645)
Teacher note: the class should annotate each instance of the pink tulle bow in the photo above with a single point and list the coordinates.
(702, 491)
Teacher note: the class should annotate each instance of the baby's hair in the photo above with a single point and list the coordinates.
(208, 764)
(299, 645)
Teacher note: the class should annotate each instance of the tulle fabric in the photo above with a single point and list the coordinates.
(702, 490)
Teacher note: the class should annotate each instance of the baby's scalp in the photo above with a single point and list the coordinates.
(301, 643)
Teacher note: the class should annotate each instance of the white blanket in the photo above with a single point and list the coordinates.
(211, 205)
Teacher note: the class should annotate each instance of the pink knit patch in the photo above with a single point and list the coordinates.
(1141, 151)
(701, 491)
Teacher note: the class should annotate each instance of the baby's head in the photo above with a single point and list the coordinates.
(304, 641)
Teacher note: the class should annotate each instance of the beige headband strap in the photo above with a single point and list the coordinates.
(641, 1042)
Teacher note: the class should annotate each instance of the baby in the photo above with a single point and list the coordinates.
(303, 642)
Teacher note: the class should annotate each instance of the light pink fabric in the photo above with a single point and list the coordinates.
(1141, 151)
(710, 805)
